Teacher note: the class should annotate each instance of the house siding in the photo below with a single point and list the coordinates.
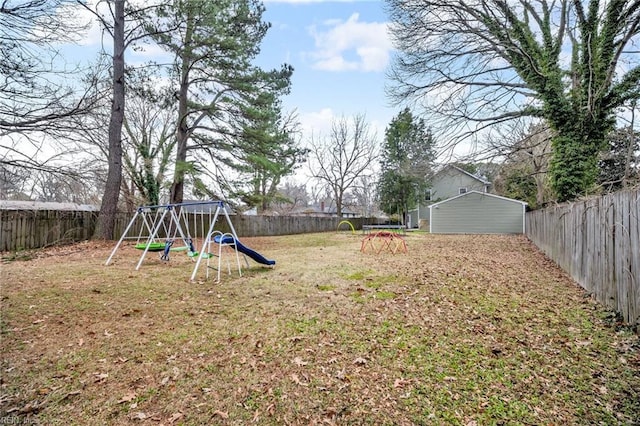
(478, 213)
(444, 185)
(449, 183)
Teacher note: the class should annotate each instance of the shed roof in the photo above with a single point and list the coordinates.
(471, 175)
(481, 193)
(45, 205)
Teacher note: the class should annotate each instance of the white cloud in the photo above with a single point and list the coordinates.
(316, 123)
(335, 63)
(93, 35)
(152, 51)
(351, 45)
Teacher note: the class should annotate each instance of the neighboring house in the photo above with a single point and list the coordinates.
(46, 205)
(477, 212)
(204, 207)
(322, 210)
(448, 182)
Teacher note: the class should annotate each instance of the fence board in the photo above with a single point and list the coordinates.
(634, 249)
(598, 243)
(29, 229)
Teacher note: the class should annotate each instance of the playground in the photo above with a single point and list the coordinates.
(463, 330)
(172, 228)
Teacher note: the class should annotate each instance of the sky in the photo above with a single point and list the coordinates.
(340, 51)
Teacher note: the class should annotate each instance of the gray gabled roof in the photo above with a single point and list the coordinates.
(45, 205)
(478, 178)
(481, 193)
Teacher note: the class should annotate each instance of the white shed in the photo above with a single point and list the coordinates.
(477, 213)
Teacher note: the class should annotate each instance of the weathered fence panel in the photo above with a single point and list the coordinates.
(198, 224)
(26, 229)
(597, 242)
(29, 229)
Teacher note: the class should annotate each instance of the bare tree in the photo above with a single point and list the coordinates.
(33, 97)
(632, 156)
(63, 189)
(364, 194)
(343, 157)
(292, 196)
(40, 95)
(150, 128)
(473, 65)
(126, 27)
(13, 183)
(619, 165)
(524, 171)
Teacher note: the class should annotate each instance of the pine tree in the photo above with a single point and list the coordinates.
(266, 151)
(214, 44)
(407, 159)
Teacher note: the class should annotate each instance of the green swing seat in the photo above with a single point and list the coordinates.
(154, 246)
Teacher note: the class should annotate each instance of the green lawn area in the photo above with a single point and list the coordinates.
(461, 330)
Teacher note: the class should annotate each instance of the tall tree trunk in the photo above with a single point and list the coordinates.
(107, 217)
(182, 132)
(264, 204)
(182, 137)
(338, 194)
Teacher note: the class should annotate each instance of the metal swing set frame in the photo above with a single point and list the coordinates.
(176, 213)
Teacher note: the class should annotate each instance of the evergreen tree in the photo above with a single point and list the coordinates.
(266, 152)
(516, 180)
(214, 44)
(407, 159)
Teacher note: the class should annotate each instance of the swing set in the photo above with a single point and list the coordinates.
(161, 227)
(157, 223)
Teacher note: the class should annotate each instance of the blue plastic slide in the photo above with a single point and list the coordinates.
(228, 239)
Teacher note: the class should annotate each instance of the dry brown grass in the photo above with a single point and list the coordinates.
(468, 330)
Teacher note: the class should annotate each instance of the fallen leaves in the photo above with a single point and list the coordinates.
(296, 379)
(100, 377)
(299, 362)
(128, 397)
(69, 395)
(138, 415)
(222, 414)
(481, 330)
(360, 361)
(401, 383)
(175, 417)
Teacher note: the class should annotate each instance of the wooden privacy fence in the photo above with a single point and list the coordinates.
(30, 229)
(27, 229)
(597, 242)
(197, 225)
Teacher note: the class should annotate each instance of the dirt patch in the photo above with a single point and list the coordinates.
(461, 329)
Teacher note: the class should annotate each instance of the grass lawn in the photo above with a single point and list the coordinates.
(461, 330)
